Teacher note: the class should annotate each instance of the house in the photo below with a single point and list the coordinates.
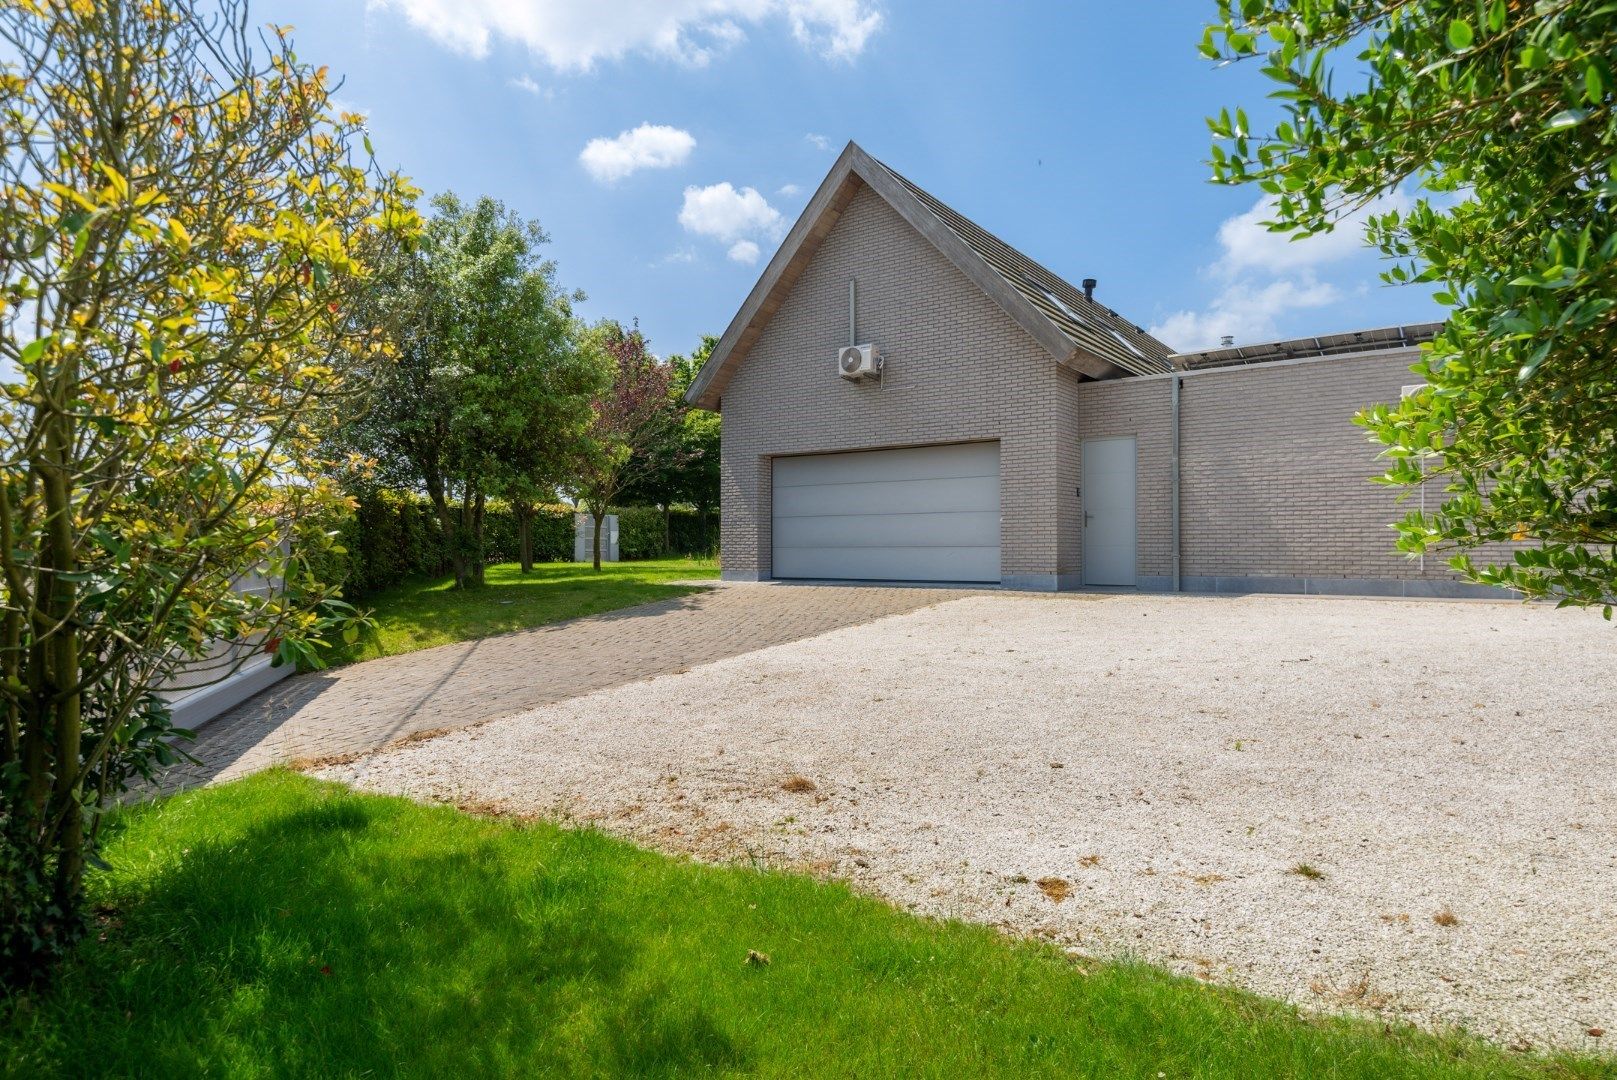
(905, 397)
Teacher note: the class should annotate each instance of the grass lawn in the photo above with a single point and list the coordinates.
(281, 927)
(425, 612)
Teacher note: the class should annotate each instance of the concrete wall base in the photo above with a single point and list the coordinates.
(198, 707)
(1040, 582)
(1414, 588)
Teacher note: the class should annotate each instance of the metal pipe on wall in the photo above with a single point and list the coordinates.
(1174, 395)
(853, 325)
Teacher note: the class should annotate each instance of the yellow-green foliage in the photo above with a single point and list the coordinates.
(189, 226)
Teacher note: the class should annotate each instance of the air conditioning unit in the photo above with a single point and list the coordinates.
(859, 362)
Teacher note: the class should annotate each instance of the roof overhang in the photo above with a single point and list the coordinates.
(855, 169)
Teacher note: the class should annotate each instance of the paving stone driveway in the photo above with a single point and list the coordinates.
(364, 706)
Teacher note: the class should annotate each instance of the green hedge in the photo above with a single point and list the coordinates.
(641, 533)
(391, 536)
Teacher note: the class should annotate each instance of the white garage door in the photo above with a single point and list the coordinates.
(928, 513)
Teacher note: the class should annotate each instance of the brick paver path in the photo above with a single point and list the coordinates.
(365, 706)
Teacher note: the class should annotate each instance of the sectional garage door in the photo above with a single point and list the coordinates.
(926, 513)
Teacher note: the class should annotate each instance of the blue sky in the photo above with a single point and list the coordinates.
(666, 145)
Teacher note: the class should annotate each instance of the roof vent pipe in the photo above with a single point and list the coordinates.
(1089, 288)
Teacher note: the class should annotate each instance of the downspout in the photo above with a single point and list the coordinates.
(1175, 523)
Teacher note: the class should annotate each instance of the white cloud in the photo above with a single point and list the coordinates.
(573, 35)
(339, 106)
(838, 28)
(678, 257)
(649, 146)
(737, 219)
(527, 84)
(724, 214)
(789, 191)
(819, 142)
(1266, 275)
(1247, 245)
(1246, 311)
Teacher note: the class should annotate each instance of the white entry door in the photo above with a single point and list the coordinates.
(926, 513)
(1108, 502)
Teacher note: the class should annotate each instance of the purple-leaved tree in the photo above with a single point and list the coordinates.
(634, 413)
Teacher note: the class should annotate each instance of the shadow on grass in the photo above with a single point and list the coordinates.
(428, 612)
(281, 927)
(321, 938)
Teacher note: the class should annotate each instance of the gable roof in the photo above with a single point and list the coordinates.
(1088, 324)
(1078, 333)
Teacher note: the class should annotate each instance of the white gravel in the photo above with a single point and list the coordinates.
(1171, 759)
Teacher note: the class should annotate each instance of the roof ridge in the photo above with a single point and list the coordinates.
(1090, 324)
(1077, 332)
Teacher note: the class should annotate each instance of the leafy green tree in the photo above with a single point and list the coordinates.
(699, 437)
(633, 413)
(1500, 113)
(184, 230)
(544, 425)
(489, 386)
(683, 465)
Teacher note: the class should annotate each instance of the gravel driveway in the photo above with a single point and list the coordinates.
(1407, 809)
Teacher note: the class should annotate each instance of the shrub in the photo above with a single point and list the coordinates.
(643, 533)
(640, 532)
(389, 536)
(695, 533)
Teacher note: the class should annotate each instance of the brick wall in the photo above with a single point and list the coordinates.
(1138, 407)
(1275, 490)
(958, 369)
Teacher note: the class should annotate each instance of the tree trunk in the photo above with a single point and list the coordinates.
(524, 514)
(62, 695)
(597, 517)
(479, 554)
(10, 661)
(668, 529)
(446, 523)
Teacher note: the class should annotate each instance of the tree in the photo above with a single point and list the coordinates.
(489, 387)
(544, 426)
(184, 227)
(630, 416)
(1502, 113)
(700, 432)
(683, 465)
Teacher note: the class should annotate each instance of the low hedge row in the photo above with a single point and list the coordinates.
(642, 533)
(391, 536)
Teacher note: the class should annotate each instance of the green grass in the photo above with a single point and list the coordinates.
(281, 927)
(425, 612)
